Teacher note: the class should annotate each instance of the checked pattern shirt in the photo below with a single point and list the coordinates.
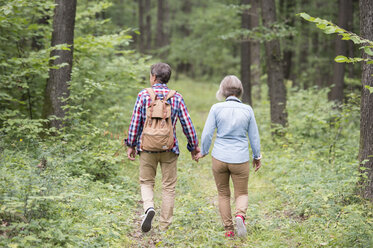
(178, 110)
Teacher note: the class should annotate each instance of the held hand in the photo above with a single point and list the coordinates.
(131, 153)
(195, 152)
(198, 156)
(257, 164)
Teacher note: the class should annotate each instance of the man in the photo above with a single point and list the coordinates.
(160, 74)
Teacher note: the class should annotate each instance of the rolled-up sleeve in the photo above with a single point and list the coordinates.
(208, 132)
(136, 123)
(187, 125)
(254, 135)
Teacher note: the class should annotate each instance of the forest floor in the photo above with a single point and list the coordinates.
(282, 212)
(303, 196)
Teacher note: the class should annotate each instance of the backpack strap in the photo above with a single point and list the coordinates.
(151, 93)
(170, 94)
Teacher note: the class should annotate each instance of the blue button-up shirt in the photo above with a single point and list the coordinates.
(234, 121)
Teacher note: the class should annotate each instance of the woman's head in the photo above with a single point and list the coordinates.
(229, 86)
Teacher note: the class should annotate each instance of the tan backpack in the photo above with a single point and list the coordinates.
(158, 132)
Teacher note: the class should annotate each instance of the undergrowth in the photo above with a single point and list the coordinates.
(79, 190)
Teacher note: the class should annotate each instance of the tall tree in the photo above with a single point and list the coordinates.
(162, 38)
(186, 8)
(366, 107)
(245, 55)
(141, 26)
(57, 85)
(288, 9)
(277, 90)
(148, 30)
(344, 18)
(255, 47)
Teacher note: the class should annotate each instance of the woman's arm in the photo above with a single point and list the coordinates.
(208, 132)
(254, 136)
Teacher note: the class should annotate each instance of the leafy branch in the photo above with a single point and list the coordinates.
(331, 28)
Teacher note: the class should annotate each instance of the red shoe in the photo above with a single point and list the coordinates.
(229, 234)
(240, 225)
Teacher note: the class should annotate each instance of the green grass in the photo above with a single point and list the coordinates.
(298, 198)
(303, 196)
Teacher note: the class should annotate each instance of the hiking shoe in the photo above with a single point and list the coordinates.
(146, 223)
(229, 234)
(240, 224)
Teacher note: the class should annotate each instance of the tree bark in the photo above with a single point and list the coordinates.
(57, 86)
(350, 44)
(245, 57)
(366, 107)
(162, 38)
(277, 90)
(148, 29)
(336, 93)
(255, 48)
(289, 9)
(186, 8)
(141, 26)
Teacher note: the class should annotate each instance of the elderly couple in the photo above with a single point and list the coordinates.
(234, 122)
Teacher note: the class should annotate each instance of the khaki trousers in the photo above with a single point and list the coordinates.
(240, 177)
(148, 171)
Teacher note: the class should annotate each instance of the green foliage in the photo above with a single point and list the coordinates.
(263, 34)
(304, 195)
(75, 189)
(21, 65)
(42, 205)
(369, 88)
(204, 49)
(330, 28)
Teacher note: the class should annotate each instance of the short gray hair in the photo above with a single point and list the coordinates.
(161, 71)
(229, 86)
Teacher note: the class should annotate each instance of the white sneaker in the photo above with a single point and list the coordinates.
(240, 225)
(146, 223)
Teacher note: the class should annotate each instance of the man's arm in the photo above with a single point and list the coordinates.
(188, 128)
(133, 131)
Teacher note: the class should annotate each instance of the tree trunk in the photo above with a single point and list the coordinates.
(245, 57)
(162, 38)
(255, 49)
(289, 9)
(277, 91)
(302, 62)
(350, 44)
(148, 29)
(336, 93)
(57, 85)
(141, 26)
(186, 8)
(366, 107)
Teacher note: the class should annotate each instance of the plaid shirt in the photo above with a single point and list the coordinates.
(178, 109)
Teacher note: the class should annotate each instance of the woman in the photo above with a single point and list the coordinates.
(230, 155)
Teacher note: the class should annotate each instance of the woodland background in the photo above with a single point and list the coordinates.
(70, 72)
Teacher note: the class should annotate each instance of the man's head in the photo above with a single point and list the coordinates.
(161, 72)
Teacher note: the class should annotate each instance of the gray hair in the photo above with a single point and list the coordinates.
(161, 71)
(229, 86)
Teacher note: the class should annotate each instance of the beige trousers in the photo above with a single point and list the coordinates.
(148, 171)
(240, 177)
